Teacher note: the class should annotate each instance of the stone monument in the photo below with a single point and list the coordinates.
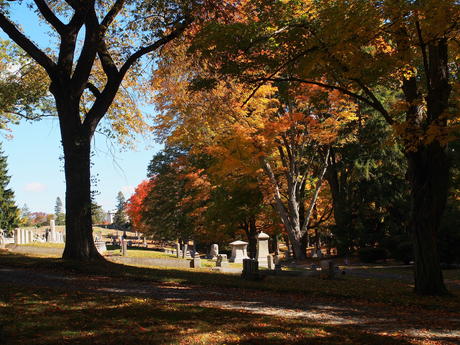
(214, 252)
(262, 249)
(52, 237)
(239, 251)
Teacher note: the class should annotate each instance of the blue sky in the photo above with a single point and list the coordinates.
(36, 171)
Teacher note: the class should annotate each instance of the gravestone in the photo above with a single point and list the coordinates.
(124, 247)
(250, 269)
(177, 250)
(16, 236)
(52, 237)
(100, 246)
(276, 261)
(270, 263)
(222, 260)
(262, 249)
(196, 262)
(214, 252)
(239, 251)
(184, 251)
(2, 239)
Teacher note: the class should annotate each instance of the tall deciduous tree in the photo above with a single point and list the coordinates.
(86, 76)
(356, 47)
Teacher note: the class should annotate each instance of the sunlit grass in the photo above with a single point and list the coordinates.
(57, 317)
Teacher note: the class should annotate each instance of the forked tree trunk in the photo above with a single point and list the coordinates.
(428, 175)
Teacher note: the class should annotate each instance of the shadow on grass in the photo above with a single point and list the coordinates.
(43, 316)
(349, 288)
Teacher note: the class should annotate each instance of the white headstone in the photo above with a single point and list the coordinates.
(270, 263)
(16, 236)
(262, 249)
(239, 251)
(214, 251)
(53, 231)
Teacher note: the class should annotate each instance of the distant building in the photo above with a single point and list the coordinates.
(109, 217)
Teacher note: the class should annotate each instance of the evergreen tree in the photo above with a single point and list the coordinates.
(120, 220)
(58, 214)
(9, 213)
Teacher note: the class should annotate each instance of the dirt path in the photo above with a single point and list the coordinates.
(381, 319)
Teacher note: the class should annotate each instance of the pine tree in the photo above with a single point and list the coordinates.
(9, 213)
(120, 219)
(59, 216)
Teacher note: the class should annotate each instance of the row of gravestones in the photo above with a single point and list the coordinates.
(24, 236)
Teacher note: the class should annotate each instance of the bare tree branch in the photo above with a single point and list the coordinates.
(50, 16)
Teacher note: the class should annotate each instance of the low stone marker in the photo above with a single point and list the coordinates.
(222, 260)
(328, 269)
(214, 252)
(196, 262)
(250, 269)
(100, 246)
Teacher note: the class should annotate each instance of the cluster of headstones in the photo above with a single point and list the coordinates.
(240, 253)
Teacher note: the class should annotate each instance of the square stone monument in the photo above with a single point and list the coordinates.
(262, 249)
(239, 251)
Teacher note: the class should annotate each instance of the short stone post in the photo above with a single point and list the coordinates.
(22, 236)
(184, 251)
(16, 236)
(124, 247)
(53, 231)
(276, 261)
(145, 242)
(270, 264)
(178, 250)
(262, 249)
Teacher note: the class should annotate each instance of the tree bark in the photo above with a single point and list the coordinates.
(79, 234)
(428, 175)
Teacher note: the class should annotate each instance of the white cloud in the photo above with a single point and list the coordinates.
(127, 191)
(34, 187)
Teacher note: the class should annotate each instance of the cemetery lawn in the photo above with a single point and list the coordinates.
(108, 303)
(48, 316)
(367, 290)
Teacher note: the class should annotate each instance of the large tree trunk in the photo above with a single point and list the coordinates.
(79, 234)
(79, 243)
(428, 175)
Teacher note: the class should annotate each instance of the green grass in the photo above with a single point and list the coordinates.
(44, 245)
(58, 317)
(355, 289)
